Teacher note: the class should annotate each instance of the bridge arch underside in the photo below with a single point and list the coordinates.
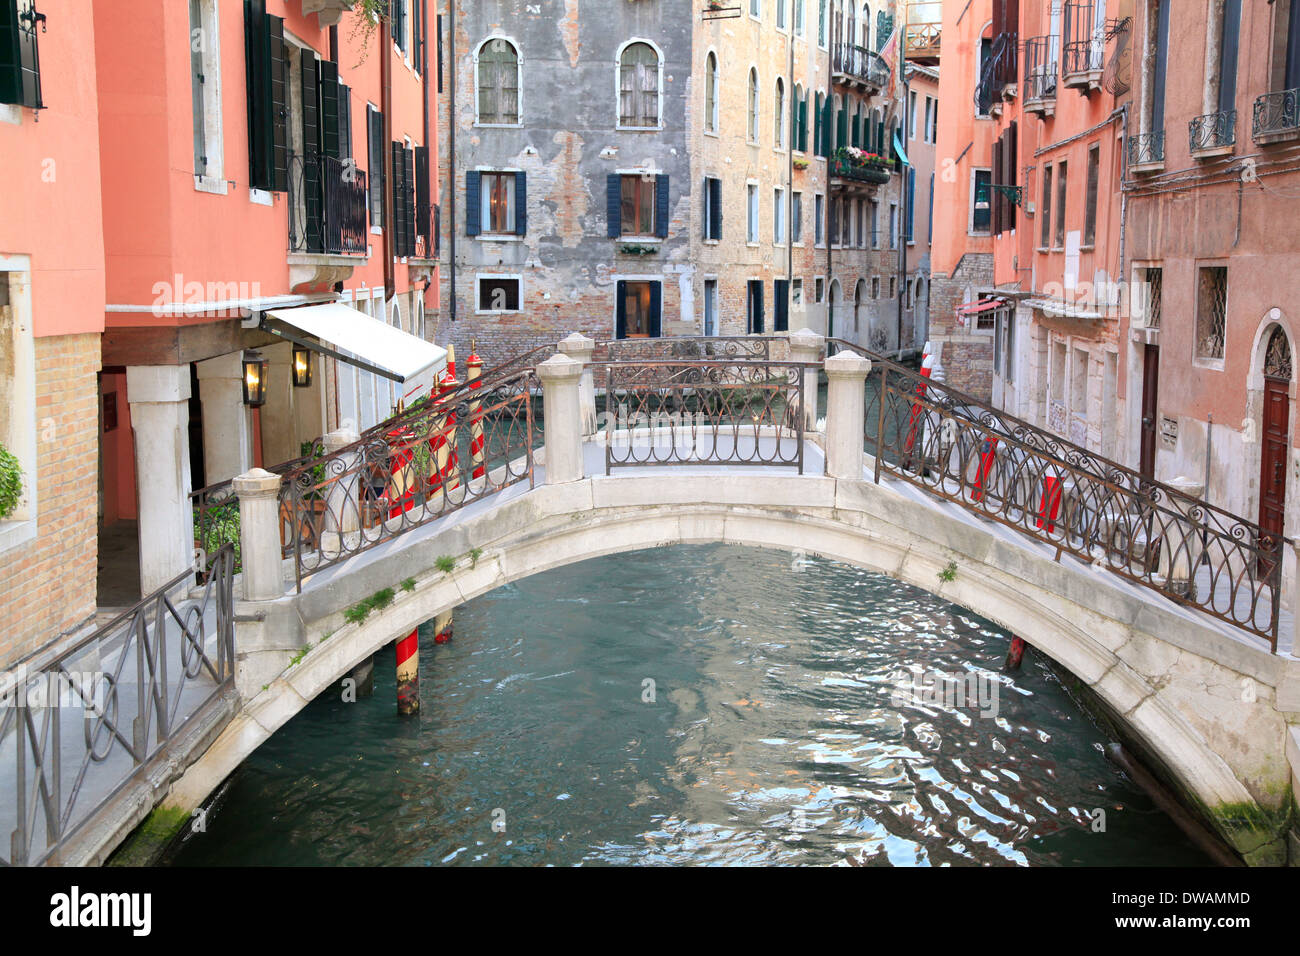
(1200, 701)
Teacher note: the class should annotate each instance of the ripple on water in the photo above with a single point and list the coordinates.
(773, 733)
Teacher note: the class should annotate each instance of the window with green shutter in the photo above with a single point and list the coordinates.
(267, 101)
(20, 61)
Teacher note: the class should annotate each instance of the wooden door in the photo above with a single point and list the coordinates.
(1273, 448)
(1150, 404)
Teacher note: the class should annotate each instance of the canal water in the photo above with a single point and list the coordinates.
(697, 705)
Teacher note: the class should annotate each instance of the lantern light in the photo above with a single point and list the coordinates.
(254, 379)
(301, 366)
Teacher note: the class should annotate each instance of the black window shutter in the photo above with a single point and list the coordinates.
(620, 310)
(707, 212)
(780, 305)
(715, 186)
(422, 205)
(11, 71)
(345, 122)
(417, 35)
(395, 154)
(257, 66)
(758, 307)
(661, 205)
(408, 201)
(329, 109)
(521, 204)
(656, 308)
(439, 22)
(375, 143)
(279, 106)
(614, 204)
(310, 160)
(473, 201)
(437, 231)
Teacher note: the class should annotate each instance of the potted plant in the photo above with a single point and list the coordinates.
(11, 483)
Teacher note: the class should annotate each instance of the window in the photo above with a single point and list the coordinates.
(798, 17)
(712, 208)
(834, 223)
(1045, 235)
(711, 94)
(18, 394)
(875, 223)
(638, 99)
(1079, 384)
(796, 218)
(1058, 373)
(754, 306)
(821, 34)
(710, 306)
(403, 224)
(819, 289)
(778, 115)
(846, 223)
(799, 119)
(1229, 41)
(498, 83)
(397, 15)
(862, 223)
(639, 308)
(375, 161)
(1211, 311)
(981, 215)
(1148, 297)
(911, 203)
(1090, 198)
(751, 204)
(266, 82)
(911, 115)
(753, 105)
(796, 292)
(893, 287)
(756, 8)
(637, 204)
(875, 287)
(931, 119)
(780, 14)
(893, 225)
(1059, 238)
(778, 215)
(819, 203)
(498, 215)
(20, 70)
(498, 293)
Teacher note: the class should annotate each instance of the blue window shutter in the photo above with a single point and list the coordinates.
(911, 200)
(473, 199)
(521, 204)
(656, 308)
(715, 185)
(614, 207)
(661, 206)
(620, 310)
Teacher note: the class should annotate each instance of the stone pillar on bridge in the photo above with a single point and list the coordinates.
(561, 418)
(845, 414)
(160, 420)
(1181, 549)
(227, 425)
(806, 347)
(343, 501)
(580, 348)
(259, 535)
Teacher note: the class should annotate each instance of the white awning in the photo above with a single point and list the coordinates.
(364, 342)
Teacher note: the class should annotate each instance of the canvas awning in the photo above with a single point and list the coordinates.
(980, 305)
(357, 339)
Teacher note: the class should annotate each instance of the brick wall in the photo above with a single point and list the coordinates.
(47, 585)
(967, 355)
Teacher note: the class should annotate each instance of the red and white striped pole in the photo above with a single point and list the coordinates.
(408, 674)
(442, 627)
(473, 375)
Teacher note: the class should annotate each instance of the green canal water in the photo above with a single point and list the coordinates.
(696, 705)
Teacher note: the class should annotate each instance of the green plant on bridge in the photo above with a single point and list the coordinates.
(949, 574)
(446, 564)
(300, 655)
(11, 483)
(408, 585)
(358, 612)
(474, 555)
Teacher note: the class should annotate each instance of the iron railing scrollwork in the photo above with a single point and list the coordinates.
(80, 726)
(862, 64)
(746, 347)
(998, 71)
(1040, 69)
(1084, 48)
(1277, 112)
(693, 412)
(327, 206)
(1212, 131)
(1146, 148)
(451, 450)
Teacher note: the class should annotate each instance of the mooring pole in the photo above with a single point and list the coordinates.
(442, 627)
(1016, 654)
(477, 454)
(408, 674)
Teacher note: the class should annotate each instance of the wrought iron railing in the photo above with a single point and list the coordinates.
(704, 412)
(1084, 48)
(1212, 131)
(998, 465)
(452, 450)
(78, 727)
(327, 206)
(712, 347)
(1146, 148)
(998, 72)
(861, 63)
(922, 40)
(842, 168)
(1040, 69)
(1276, 113)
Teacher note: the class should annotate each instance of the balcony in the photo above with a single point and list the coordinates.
(998, 76)
(848, 172)
(1146, 152)
(1277, 117)
(328, 208)
(859, 67)
(1040, 76)
(1084, 51)
(1213, 134)
(921, 43)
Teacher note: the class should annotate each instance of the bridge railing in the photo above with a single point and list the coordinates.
(436, 458)
(1006, 470)
(78, 727)
(693, 412)
(755, 348)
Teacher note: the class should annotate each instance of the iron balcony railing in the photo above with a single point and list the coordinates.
(1040, 69)
(862, 64)
(843, 168)
(78, 728)
(327, 206)
(1276, 114)
(1073, 500)
(1212, 131)
(750, 348)
(1146, 148)
(999, 71)
(1084, 49)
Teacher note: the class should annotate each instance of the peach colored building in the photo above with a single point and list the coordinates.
(270, 156)
(51, 317)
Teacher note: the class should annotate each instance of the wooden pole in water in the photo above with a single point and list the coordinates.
(473, 374)
(1016, 654)
(408, 674)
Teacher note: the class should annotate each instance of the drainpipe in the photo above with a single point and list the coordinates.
(829, 131)
(386, 108)
(451, 153)
(789, 181)
(902, 205)
(424, 136)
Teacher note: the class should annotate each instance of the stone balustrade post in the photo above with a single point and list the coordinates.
(561, 418)
(580, 348)
(845, 414)
(1181, 550)
(806, 347)
(259, 534)
(343, 499)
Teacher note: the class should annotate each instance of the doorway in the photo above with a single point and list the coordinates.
(639, 306)
(710, 307)
(754, 306)
(1150, 403)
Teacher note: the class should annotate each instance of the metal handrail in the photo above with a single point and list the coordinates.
(161, 648)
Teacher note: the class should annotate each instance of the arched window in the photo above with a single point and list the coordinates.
(711, 94)
(638, 86)
(498, 82)
(1277, 356)
(875, 134)
(753, 105)
(866, 26)
(778, 139)
(798, 119)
